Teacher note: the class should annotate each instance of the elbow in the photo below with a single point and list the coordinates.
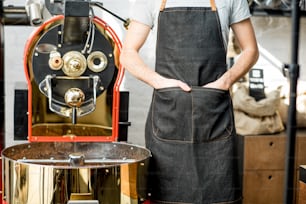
(256, 54)
(122, 58)
(125, 57)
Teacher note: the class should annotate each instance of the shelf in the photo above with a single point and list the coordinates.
(278, 12)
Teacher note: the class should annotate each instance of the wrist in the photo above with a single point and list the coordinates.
(226, 81)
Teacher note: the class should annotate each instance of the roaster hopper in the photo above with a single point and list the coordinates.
(72, 66)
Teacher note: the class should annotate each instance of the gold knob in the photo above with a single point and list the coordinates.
(74, 97)
(74, 64)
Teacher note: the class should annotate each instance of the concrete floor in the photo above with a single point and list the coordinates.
(273, 34)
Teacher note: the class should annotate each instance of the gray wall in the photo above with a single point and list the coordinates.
(275, 35)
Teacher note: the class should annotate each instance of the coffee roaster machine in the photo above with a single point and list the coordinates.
(77, 115)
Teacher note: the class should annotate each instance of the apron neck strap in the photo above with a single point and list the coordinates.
(212, 4)
(163, 5)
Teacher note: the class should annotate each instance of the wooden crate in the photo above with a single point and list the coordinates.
(263, 166)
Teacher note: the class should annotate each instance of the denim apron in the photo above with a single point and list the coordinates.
(191, 134)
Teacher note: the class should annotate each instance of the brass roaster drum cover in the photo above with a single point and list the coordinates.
(77, 172)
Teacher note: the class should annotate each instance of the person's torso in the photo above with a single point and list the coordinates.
(190, 45)
(222, 7)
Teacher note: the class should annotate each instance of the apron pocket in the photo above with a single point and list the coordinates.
(212, 114)
(202, 115)
(171, 110)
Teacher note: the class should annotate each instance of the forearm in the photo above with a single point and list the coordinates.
(241, 67)
(130, 58)
(132, 62)
(245, 36)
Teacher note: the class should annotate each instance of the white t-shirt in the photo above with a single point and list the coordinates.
(230, 11)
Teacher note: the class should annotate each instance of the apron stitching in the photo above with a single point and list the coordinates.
(178, 9)
(192, 120)
(192, 142)
(220, 31)
(152, 115)
(193, 88)
(166, 202)
(230, 202)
